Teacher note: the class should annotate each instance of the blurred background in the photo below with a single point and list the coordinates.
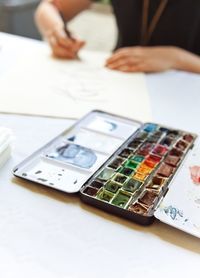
(17, 17)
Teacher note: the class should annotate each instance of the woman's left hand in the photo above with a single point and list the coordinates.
(143, 59)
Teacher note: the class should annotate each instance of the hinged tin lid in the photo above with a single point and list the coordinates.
(180, 207)
(69, 160)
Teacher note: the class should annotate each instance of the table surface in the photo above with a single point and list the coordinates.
(45, 233)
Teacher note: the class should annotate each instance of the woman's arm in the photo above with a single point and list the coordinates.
(186, 61)
(153, 59)
(51, 25)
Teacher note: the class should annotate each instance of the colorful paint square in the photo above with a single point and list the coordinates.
(105, 195)
(127, 171)
(144, 169)
(131, 164)
(106, 174)
(112, 186)
(165, 170)
(90, 191)
(140, 176)
(138, 209)
(149, 197)
(135, 144)
(160, 150)
(96, 184)
(132, 185)
(150, 127)
(116, 163)
(119, 178)
(126, 153)
(121, 199)
(138, 158)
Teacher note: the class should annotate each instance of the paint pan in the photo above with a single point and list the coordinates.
(126, 171)
(165, 170)
(119, 178)
(112, 186)
(104, 195)
(121, 199)
(131, 164)
(138, 209)
(116, 163)
(138, 158)
(149, 197)
(106, 174)
(132, 185)
(126, 153)
(140, 176)
(97, 184)
(90, 191)
(150, 127)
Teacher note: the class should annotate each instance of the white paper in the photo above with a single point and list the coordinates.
(5, 145)
(42, 85)
(181, 206)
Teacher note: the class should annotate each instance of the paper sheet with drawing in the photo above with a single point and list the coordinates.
(42, 85)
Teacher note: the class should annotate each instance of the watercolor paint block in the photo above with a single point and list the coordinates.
(165, 170)
(138, 158)
(176, 152)
(142, 136)
(160, 150)
(112, 186)
(126, 153)
(91, 191)
(131, 164)
(105, 195)
(188, 137)
(181, 145)
(167, 141)
(116, 163)
(138, 209)
(145, 149)
(119, 178)
(132, 185)
(149, 198)
(143, 169)
(121, 199)
(158, 134)
(126, 171)
(106, 174)
(172, 160)
(135, 144)
(153, 139)
(140, 176)
(150, 127)
(97, 184)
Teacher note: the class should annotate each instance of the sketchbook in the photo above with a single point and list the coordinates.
(42, 85)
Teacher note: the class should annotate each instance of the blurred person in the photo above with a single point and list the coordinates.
(153, 35)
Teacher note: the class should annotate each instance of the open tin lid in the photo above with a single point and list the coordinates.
(69, 160)
(180, 207)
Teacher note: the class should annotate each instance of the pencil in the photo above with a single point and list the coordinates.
(67, 32)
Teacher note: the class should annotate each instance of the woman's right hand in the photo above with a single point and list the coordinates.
(62, 45)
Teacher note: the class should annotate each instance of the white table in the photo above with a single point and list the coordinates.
(45, 233)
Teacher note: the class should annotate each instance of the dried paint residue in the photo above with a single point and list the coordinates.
(195, 174)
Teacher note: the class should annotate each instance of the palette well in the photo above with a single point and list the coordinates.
(118, 165)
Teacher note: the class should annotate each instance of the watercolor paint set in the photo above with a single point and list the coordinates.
(137, 171)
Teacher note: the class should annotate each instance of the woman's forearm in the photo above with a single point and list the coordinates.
(47, 18)
(186, 61)
(47, 15)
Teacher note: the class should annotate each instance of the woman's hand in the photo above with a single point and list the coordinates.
(143, 59)
(62, 46)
